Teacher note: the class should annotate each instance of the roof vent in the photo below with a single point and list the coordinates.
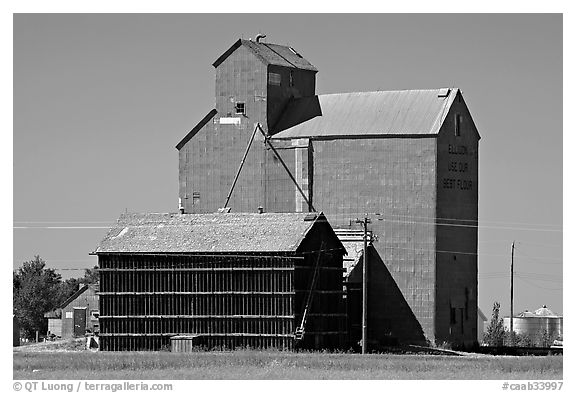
(259, 37)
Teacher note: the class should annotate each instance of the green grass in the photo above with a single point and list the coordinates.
(252, 364)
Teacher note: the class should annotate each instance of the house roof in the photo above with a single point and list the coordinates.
(275, 54)
(79, 292)
(385, 113)
(199, 233)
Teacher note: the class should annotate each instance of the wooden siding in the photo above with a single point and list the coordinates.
(88, 300)
(229, 301)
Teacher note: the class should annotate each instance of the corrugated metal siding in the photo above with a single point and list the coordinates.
(390, 317)
(281, 193)
(396, 178)
(457, 262)
(209, 161)
(406, 112)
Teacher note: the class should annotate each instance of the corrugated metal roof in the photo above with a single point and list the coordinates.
(270, 54)
(525, 314)
(544, 312)
(402, 112)
(218, 232)
(292, 56)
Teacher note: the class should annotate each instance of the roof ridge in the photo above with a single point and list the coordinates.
(387, 91)
(380, 113)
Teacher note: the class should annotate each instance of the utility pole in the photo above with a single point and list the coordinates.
(364, 222)
(512, 296)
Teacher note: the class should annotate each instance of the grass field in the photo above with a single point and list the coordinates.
(246, 364)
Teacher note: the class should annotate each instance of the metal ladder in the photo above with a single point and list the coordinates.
(299, 334)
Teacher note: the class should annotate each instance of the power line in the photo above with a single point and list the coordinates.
(53, 227)
(65, 222)
(383, 217)
(539, 244)
(412, 217)
(535, 259)
(525, 275)
(538, 286)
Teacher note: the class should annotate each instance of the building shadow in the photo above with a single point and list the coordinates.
(390, 319)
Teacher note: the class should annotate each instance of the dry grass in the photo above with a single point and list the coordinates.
(252, 364)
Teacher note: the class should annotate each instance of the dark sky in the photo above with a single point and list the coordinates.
(101, 100)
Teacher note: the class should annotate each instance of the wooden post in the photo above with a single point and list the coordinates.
(364, 222)
(512, 297)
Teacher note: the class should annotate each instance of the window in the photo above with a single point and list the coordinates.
(291, 78)
(274, 79)
(240, 108)
(457, 124)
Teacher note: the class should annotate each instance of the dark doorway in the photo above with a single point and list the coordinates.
(79, 322)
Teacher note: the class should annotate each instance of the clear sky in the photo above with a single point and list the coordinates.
(100, 101)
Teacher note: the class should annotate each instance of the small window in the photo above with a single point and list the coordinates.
(274, 79)
(240, 108)
(457, 124)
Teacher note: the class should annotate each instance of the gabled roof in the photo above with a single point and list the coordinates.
(384, 113)
(275, 54)
(80, 291)
(200, 233)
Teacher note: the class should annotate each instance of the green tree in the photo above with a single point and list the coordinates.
(524, 340)
(495, 333)
(71, 285)
(544, 338)
(36, 290)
